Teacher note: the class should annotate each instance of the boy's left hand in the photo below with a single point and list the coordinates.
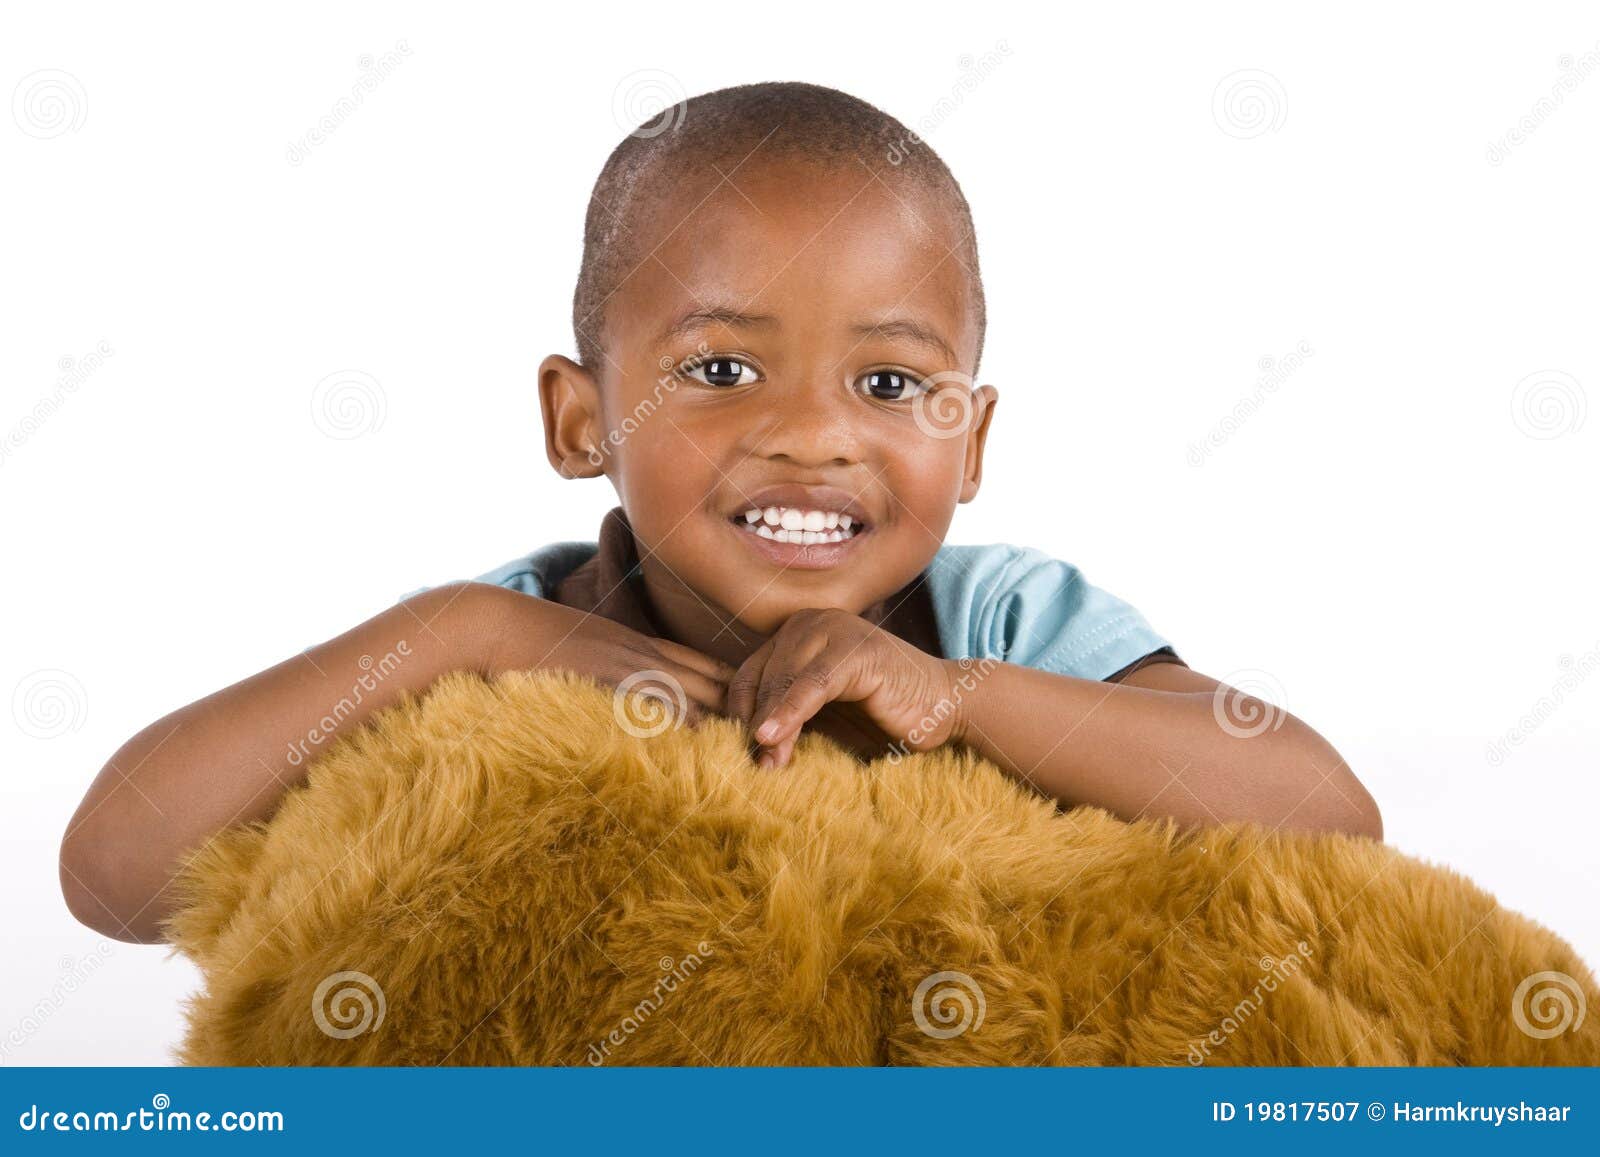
(819, 656)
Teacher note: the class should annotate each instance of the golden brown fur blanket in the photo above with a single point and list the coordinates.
(500, 873)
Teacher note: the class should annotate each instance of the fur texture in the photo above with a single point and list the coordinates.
(499, 873)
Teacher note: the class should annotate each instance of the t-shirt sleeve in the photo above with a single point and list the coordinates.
(1019, 605)
(525, 574)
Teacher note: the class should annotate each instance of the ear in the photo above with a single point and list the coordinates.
(983, 403)
(569, 399)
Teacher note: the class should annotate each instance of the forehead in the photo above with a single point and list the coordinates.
(817, 248)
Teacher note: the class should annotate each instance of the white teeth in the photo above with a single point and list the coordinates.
(801, 527)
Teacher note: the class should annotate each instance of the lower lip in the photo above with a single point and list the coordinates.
(798, 555)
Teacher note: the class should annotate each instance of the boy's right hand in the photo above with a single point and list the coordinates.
(526, 633)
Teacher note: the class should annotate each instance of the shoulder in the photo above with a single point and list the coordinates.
(536, 573)
(1020, 605)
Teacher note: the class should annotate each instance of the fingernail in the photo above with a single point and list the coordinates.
(767, 730)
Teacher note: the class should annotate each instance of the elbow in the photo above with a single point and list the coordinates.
(1352, 812)
(93, 884)
(1340, 803)
(1369, 823)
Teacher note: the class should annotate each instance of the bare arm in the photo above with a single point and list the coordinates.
(228, 758)
(1165, 741)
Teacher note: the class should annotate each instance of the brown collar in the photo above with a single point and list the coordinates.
(611, 585)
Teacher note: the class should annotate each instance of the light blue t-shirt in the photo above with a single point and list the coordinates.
(997, 601)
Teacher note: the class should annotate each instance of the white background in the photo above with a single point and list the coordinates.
(1400, 539)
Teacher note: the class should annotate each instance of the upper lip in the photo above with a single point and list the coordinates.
(798, 497)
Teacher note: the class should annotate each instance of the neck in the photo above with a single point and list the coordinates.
(686, 617)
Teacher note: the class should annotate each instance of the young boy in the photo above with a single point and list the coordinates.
(776, 330)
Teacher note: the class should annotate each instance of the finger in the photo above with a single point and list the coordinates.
(678, 686)
(707, 665)
(793, 647)
(801, 697)
(782, 753)
(746, 681)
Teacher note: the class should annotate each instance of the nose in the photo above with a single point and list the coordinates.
(809, 423)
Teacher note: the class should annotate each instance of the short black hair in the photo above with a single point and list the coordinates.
(787, 119)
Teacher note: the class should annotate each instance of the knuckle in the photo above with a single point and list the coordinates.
(814, 678)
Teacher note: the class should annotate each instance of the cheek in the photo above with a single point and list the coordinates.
(929, 480)
(662, 477)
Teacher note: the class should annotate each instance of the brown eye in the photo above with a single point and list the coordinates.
(889, 385)
(721, 372)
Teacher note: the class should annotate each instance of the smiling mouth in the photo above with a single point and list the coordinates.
(789, 524)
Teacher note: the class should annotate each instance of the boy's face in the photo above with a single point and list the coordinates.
(783, 334)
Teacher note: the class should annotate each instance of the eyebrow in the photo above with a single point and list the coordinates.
(905, 328)
(889, 329)
(716, 315)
